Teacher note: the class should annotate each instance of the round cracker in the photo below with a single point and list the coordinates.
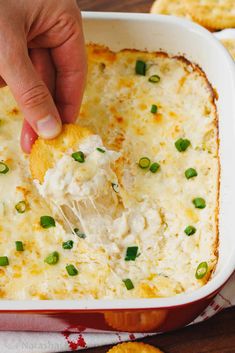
(134, 347)
(45, 153)
(136, 321)
(170, 7)
(216, 14)
(229, 45)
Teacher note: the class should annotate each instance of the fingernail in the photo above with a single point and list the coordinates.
(48, 127)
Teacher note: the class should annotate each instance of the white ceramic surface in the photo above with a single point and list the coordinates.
(226, 34)
(177, 37)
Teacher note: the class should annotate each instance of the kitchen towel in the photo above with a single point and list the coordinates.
(55, 342)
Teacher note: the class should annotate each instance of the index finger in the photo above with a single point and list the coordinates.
(70, 62)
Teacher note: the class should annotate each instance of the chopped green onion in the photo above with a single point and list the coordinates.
(153, 109)
(154, 78)
(78, 156)
(199, 202)
(128, 283)
(100, 150)
(19, 245)
(190, 230)
(21, 207)
(67, 244)
(52, 258)
(47, 222)
(131, 253)
(190, 173)
(154, 167)
(71, 270)
(201, 270)
(3, 168)
(144, 162)
(79, 234)
(140, 67)
(4, 261)
(182, 144)
(115, 187)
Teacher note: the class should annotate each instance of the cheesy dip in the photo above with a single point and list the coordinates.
(131, 210)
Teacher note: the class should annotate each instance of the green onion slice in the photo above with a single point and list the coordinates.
(190, 173)
(79, 234)
(131, 253)
(19, 245)
(153, 109)
(128, 283)
(154, 167)
(3, 168)
(100, 150)
(190, 230)
(71, 270)
(115, 187)
(199, 202)
(144, 162)
(140, 67)
(52, 258)
(4, 261)
(67, 244)
(154, 78)
(21, 207)
(182, 144)
(47, 222)
(201, 270)
(78, 156)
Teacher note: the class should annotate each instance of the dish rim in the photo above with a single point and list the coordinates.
(209, 289)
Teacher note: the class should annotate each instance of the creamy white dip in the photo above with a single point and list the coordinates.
(70, 180)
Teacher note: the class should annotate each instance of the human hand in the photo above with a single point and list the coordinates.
(43, 61)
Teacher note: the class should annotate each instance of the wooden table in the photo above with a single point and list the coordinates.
(217, 335)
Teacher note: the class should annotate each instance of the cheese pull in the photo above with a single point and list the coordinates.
(74, 174)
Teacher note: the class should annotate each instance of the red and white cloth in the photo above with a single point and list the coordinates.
(53, 342)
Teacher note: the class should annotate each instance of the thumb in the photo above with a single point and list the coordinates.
(31, 94)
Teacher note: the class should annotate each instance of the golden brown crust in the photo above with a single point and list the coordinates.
(96, 51)
(134, 347)
(44, 153)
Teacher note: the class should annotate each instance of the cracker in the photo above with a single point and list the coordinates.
(134, 347)
(229, 45)
(45, 153)
(137, 321)
(170, 7)
(216, 14)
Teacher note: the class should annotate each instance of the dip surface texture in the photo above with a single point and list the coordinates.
(150, 180)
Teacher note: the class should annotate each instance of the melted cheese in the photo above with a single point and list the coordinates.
(70, 180)
(150, 211)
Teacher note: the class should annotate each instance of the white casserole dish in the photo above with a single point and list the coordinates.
(177, 37)
(228, 33)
